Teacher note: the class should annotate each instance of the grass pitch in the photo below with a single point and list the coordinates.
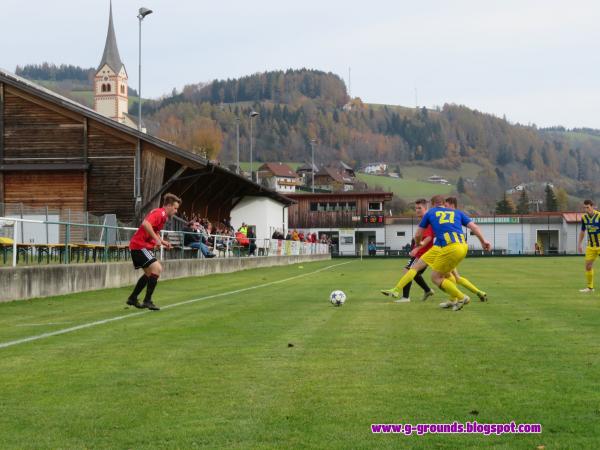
(278, 367)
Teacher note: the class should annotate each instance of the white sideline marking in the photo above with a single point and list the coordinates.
(40, 324)
(114, 319)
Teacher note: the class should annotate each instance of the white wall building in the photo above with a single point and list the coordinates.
(553, 232)
(263, 212)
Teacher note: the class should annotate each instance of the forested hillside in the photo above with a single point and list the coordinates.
(296, 106)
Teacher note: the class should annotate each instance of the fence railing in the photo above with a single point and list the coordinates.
(62, 242)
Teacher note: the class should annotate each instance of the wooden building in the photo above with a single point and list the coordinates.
(55, 152)
(350, 219)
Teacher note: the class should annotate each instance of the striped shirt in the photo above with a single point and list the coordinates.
(591, 224)
(447, 225)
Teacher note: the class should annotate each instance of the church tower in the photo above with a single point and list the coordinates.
(110, 83)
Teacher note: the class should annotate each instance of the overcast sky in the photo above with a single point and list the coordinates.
(533, 61)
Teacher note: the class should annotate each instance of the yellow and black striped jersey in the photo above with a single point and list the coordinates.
(591, 224)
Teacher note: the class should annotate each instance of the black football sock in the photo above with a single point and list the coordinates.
(141, 284)
(152, 281)
(421, 282)
(406, 290)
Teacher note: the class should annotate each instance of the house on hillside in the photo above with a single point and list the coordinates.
(437, 180)
(279, 177)
(376, 168)
(305, 172)
(330, 179)
(344, 169)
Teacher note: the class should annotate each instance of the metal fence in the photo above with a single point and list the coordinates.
(31, 241)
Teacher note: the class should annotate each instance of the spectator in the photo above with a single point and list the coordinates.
(372, 248)
(243, 229)
(252, 242)
(295, 236)
(194, 239)
(288, 236)
(278, 235)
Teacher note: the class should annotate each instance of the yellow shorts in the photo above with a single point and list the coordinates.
(591, 253)
(445, 259)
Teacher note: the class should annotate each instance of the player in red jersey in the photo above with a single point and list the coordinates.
(416, 252)
(141, 246)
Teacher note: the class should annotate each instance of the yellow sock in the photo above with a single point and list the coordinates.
(452, 278)
(470, 286)
(589, 275)
(450, 288)
(406, 278)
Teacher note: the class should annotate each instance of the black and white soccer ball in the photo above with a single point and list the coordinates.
(337, 298)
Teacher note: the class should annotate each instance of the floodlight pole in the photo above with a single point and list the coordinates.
(312, 169)
(252, 115)
(237, 132)
(143, 12)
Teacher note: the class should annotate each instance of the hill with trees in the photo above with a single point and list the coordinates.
(296, 106)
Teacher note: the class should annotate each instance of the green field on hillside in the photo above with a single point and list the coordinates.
(407, 189)
(261, 359)
(413, 186)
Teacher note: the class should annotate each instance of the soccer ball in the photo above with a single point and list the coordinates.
(337, 298)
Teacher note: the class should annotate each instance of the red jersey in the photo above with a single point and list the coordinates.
(141, 239)
(428, 232)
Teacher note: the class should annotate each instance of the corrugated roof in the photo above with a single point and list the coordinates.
(111, 51)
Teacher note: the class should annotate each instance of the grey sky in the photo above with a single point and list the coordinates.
(534, 61)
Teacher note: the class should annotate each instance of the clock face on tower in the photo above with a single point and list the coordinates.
(105, 78)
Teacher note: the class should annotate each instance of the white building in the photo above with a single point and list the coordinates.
(265, 213)
(554, 233)
(437, 180)
(376, 168)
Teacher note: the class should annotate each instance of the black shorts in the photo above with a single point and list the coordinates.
(411, 261)
(142, 258)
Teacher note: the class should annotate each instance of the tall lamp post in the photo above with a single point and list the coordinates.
(312, 169)
(143, 12)
(252, 115)
(237, 145)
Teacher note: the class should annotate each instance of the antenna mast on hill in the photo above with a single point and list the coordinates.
(350, 81)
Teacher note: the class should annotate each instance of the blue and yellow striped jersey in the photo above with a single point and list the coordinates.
(591, 224)
(447, 225)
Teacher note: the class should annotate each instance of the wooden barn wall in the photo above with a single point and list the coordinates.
(64, 190)
(33, 132)
(153, 170)
(111, 175)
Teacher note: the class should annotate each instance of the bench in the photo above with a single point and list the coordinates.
(177, 243)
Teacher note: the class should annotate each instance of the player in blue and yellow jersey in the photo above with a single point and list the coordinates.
(590, 223)
(449, 250)
(452, 203)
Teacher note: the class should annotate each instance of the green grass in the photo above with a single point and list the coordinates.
(413, 186)
(405, 188)
(219, 373)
